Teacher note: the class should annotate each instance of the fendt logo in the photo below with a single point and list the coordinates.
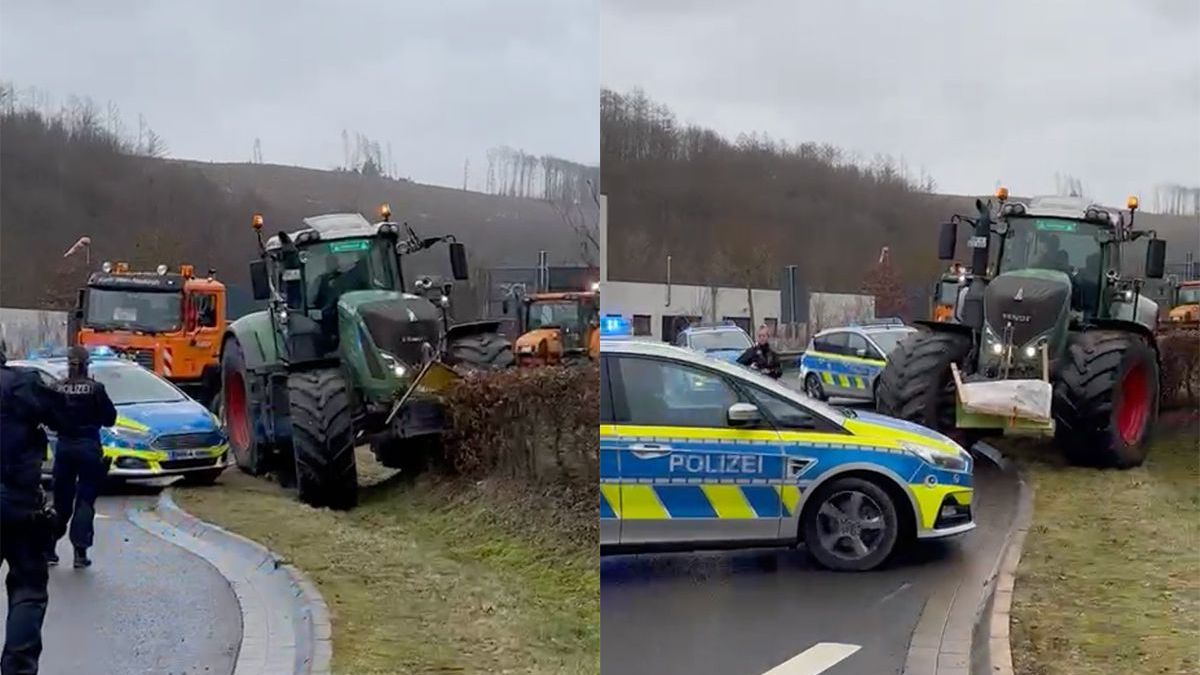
(1016, 318)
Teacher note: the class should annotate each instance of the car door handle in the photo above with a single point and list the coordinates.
(649, 450)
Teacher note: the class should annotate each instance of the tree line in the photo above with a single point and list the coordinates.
(735, 211)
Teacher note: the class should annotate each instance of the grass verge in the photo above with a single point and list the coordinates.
(432, 577)
(1109, 580)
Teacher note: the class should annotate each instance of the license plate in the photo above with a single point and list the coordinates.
(189, 454)
(977, 242)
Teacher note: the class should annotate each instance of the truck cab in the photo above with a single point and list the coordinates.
(169, 322)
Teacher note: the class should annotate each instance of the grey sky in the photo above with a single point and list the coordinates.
(440, 80)
(976, 92)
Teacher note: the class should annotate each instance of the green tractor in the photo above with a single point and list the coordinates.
(344, 355)
(1052, 305)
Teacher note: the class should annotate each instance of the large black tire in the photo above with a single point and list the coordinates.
(323, 438)
(917, 385)
(481, 350)
(874, 527)
(1106, 399)
(236, 411)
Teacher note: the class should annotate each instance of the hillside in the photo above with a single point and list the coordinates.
(735, 212)
(60, 181)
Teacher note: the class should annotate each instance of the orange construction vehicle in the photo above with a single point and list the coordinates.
(945, 297)
(170, 322)
(558, 327)
(1186, 309)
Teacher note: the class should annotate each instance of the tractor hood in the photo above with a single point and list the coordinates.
(1032, 304)
(397, 323)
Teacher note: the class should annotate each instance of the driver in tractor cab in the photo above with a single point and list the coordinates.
(332, 283)
(1054, 258)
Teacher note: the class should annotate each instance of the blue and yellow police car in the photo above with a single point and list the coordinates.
(160, 431)
(845, 362)
(698, 453)
(725, 341)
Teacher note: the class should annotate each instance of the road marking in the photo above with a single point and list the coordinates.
(904, 586)
(815, 660)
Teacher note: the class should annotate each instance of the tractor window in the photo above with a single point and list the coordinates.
(562, 314)
(149, 311)
(340, 266)
(1068, 246)
(948, 292)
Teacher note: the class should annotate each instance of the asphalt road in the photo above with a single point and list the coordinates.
(145, 606)
(746, 612)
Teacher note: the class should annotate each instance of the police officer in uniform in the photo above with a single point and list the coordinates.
(79, 465)
(761, 357)
(26, 521)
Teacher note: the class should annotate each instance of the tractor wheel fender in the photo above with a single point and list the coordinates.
(257, 339)
(469, 328)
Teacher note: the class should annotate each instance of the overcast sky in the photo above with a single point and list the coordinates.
(440, 80)
(976, 92)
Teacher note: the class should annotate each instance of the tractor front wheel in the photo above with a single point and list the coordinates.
(1106, 399)
(917, 384)
(323, 438)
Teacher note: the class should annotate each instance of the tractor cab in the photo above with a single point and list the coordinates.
(946, 294)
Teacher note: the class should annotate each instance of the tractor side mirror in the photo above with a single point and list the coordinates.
(947, 241)
(458, 261)
(1156, 258)
(259, 281)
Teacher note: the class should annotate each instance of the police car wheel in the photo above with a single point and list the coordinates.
(851, 524)
(812, 387)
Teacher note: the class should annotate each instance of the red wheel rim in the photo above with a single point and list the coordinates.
(1134, 406)
(235, 412)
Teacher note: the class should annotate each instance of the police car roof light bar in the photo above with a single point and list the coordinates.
(888, 321)
(615, 325)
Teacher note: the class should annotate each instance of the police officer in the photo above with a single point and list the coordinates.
(26, 522)
(761, 357)
(79, 466)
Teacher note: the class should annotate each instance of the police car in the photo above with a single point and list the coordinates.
(845, 362)
(159, 430)
(720, 341)
(697, 453)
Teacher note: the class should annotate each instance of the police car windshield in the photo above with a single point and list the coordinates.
(134, 385)
(888, 339)
(713, 340)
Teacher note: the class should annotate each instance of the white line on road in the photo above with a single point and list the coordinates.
(815, 660)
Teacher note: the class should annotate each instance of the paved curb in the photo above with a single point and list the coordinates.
(997, 619)
(285, 622)
(948, 639)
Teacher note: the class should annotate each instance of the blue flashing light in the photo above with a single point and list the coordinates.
(102, 352)
(615, 325)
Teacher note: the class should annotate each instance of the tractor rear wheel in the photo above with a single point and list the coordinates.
(917, 385)
(323, 438)
(236, 411)
(482, 350)
(1106, 399)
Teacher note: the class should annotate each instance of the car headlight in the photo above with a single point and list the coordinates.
(125, 437)
(398, 369)
(959, 461)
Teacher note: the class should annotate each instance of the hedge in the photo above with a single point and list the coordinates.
(1180, 354)
(534, 424)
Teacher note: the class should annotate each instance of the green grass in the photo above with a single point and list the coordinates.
(449, 577)
(1109, 580)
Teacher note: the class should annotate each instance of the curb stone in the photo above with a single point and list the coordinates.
(286, 628)
(949, 638)
(997, 619)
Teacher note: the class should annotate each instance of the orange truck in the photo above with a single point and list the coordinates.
(558, 327)
(168, 321)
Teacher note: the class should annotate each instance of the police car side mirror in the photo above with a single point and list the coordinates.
(742, 414)
(861, 353)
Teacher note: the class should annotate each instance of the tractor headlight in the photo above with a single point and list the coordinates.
(398, 369)
(1030, 352)
(959, 461)
(997, 348)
